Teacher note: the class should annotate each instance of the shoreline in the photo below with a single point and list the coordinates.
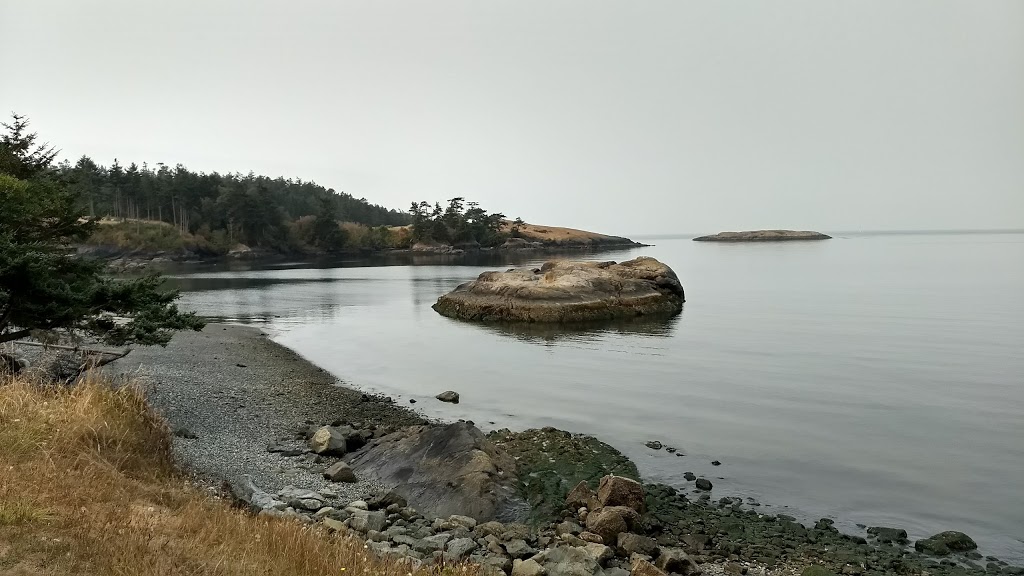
(245, 371)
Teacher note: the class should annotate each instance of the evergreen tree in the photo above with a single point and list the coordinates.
(43, 285)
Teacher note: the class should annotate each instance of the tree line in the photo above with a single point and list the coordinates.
(258, 211)
(459, 223)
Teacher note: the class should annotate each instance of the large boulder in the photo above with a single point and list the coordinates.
(330, 440)
(621, 491)
(445, 470)
(565, 291)
(943, 543)
(610, 521)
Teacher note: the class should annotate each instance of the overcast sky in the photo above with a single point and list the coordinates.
(622, 117)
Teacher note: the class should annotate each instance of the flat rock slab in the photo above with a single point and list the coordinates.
(444, 470)
(763, 236)
(568, 291)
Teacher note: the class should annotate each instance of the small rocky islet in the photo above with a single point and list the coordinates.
(763, 236)
(563, 291)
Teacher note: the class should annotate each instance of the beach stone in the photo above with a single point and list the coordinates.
(943, 543)
(448, 396)
(364, 521)
(887, 535)
(642, 567)
(432, 543)
(703, 484)
(621, 491)
(610, 521)
(463, 521)
(591, 537)
(459, 548)
(527, 568)
(599, 552)
(445, 470)
(568, 528)
(301, 499)
(340, 472)
(358, 505)
(630, 543)
(567, 291)
(519, 549)
(570, 561)
(676, 561)
(329, 441)
(580, 497)
(334, 525)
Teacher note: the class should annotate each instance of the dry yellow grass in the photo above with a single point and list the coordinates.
(538, 233)
(88, 487)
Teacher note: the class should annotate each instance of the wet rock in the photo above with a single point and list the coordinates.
(689, 476)
(654, 445)
(716, 463)
(886, 535)
(448, 396)
(621, 491)
(703, 484)
(945, 542)
(340, 472)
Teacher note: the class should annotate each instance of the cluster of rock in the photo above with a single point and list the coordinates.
(566, 291)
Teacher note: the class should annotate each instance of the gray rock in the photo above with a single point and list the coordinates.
(703, 484)
(887, 535)
(519, 549)
(300, 498)
(654, 445)
(433, 543)
(569, 561)
(330, 441)
(340, 472)
(459, 548)
(448, 396)
(676, 561)
(444, 470)
(527, 568)
(364, 521)
(630, 543)
(943, 543)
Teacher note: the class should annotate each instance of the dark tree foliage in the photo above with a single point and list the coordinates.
(327, 235)
(460, 222)
(250, 209)
(43, 285)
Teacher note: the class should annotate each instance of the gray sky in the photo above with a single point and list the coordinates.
(622, 117)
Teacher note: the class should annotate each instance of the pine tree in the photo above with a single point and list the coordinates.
(44, 287)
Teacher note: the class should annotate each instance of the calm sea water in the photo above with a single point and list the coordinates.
(873, 379)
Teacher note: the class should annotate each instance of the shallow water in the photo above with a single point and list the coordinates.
(874, 379)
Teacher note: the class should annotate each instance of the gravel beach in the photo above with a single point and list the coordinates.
(236, 391)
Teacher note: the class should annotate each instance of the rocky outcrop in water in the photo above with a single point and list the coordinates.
(763, 236)
(566, 291)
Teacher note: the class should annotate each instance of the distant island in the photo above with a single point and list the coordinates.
(763, 236)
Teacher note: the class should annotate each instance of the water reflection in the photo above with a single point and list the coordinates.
(548, 333)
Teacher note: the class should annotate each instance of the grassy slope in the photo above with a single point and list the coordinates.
(555, 234)
(88, 486)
